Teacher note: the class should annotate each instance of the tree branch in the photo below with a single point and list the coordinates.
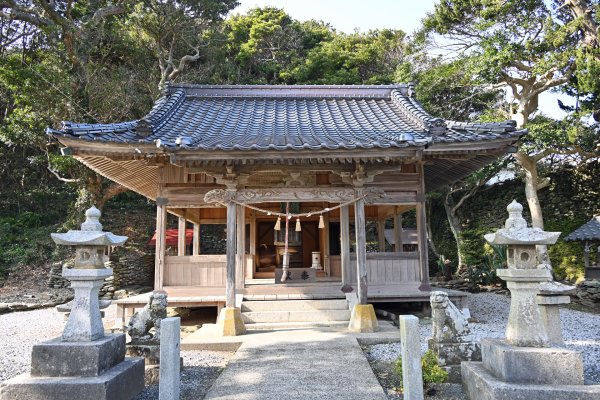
(60, 178)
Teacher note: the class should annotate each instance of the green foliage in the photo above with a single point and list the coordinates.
(471, 245)
(358, 58)
(484, 273)
(432, 372)
(566, 257)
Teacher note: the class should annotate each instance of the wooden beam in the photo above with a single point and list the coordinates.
(345, 245)
(181, 237)
(231, 247)
(161, 245)
(196, 242)
(361, 248)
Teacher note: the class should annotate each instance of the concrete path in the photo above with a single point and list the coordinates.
(310, 364)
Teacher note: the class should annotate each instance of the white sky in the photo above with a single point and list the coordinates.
(348, 15)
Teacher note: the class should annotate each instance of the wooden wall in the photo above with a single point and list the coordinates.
(202, 270)
(388, 268)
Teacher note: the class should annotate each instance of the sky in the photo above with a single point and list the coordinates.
(348, 15)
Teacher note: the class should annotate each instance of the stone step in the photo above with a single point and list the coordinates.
(294, 305)
(273, 326)
(296, 316)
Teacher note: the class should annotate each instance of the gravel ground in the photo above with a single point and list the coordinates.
(581, 331)
(21, 330)
(200, 371)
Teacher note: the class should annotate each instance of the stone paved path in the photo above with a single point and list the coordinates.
(298, 364)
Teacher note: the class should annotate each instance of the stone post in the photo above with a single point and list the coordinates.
(412, 375)
(169, 359)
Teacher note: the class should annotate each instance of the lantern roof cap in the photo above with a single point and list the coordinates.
(517, 232)
(91, 233)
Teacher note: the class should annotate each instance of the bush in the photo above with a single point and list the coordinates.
(432, 372)
(567, 261)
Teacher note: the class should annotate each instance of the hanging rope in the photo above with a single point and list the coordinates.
(299, 215)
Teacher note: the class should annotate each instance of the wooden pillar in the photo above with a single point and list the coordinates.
(326, 255)
(398, 233)
(196, 242)
(422, 230)
(345, 245)
(231, 246)
(181, 237)
(381, 235)
(250, 273)
(586, 255)
(161, 242)
(240, 260)
(361, 248)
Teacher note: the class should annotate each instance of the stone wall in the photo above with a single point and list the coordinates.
(135, 273)
(587, 294)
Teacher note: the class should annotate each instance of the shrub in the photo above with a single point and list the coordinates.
(432, 372)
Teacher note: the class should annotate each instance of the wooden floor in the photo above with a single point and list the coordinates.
(266, 289)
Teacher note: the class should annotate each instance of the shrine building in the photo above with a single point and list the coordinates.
(324, 161)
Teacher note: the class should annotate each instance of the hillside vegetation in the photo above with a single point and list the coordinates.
(100, 61)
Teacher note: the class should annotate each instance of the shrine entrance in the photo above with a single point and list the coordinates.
(271, 246)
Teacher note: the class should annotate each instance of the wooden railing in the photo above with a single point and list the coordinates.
(388, 268)
(202, 270)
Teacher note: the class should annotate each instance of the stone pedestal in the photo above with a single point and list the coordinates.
(85, 319)
(151, 355)
(512, 372)
(480, 384)
(363, 319)
(525, 326)
(95, 370)
(230, 322)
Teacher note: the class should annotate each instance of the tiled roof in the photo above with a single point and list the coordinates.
(589, 231)
(287, 117)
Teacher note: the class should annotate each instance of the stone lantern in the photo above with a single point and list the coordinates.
(523, 276)
(524, 366)
(83, 363)
(87, 276)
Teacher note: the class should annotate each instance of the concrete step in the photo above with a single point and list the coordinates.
(294, 305)
(273, 326)
(296, 316)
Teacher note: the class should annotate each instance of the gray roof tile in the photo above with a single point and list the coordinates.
(288, 117)
(589, 231)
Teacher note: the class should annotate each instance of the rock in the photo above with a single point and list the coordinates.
(120, 294)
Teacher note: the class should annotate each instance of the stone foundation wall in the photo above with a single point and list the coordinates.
(127, 272)
(587, 293)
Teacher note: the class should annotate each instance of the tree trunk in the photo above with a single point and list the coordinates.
(529, 165)
(430, 232)
(456, 231)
